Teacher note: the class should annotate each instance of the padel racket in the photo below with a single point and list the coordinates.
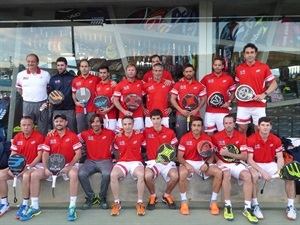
(56, 162)
(16, 164)
(216, 100)
(165, 153)
(189, 102)
(205, 149)
(233, 149)
(101, 102)
(83, 96)
(290, 171)
(133, 101)
(245, 93)
(56, 97)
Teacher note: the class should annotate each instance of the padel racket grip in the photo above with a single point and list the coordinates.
(264, 100)
(84, 110)
(229, 108)
(15, 181)
(275, 176)
(54, 180)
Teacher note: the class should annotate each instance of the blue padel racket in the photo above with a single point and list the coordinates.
(56, 162)
(101, 102)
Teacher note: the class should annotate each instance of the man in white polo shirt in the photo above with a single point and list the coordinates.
(32, 84)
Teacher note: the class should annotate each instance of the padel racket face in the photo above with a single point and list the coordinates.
(56, 97)
(101, 102)
(138, 16)
(16, 164)
(154, 19)
(83, 94)
(233, 149)
(56, 162)
(216, 100)
(205, 149)
(290, 171)
(133, 101)
(190, 101)
(165, 153)
(244, 93)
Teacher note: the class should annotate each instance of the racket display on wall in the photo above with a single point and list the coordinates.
(189, 102)
(83, 96)
(216, 100)
(101, 102)
(245, 93)
(16, 164)
(133, 101)
(56, 162)
(165, 154)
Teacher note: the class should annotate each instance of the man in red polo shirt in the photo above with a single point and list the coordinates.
(130, 85)
(187, 85)
(96, 161)
(87, 80)
(258, 76)
(263, 146)
(28, 143)
(191, 163)
(157, 96)
(65, 142)
(105, 87)
(128, 144)
(220, 139)
(166, 75)
(155, 136)
(220, 82)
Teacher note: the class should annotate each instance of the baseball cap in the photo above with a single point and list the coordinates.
(63, 116)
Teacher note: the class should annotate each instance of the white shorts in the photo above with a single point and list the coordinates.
(110, 124)
(164, 121)
(213, 121)
(271, 168)
(244, 114)
(197, 165)
(63, 175)
(235, 169)
(37, 166)
(162, 169)
(129, 167)
(138, 124)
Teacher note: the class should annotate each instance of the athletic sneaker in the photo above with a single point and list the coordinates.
(96, 199)
(184, 208)
(291, 212)
(88, 203)
(228, 213)
(248, 213)
(31, 212)
(22, 211)
(169, 202)
(72, 215)
(115, 209)
(103, 203)
(140, 209)
(257, 212)
(4, 209)
(214, 208)
(152, 202)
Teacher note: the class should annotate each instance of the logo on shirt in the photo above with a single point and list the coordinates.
(256, 146)
(90, 81)
(20, 143)
(257, 71)
(182, 87)
(33, 142)
(188, 143)
(242, 72)
(57, 82)
(78, 83)
(107, 89)
(150, 88)
(150, 136)
(104, 137)
(25, 78)
(138, 85)
(126, 88)
(271, 145)
(90, 138)
(195, 88)
(68, 139)
(53, 141)
(164, 136)
(121, 143)
(224, 81)
(135, 142)
(164, 86)
(210, 81)
(221, 142)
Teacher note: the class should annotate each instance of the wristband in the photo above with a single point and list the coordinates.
(266, 93)
(207, 164)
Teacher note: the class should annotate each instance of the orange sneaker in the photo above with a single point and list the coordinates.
(115, 209)
(152, 202)
(184, 209)
(214, 208)
(140, 209)
(168, 200)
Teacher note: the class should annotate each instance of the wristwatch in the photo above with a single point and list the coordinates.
(266, 93)
(28, 167)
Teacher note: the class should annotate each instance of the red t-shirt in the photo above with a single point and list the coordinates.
(98, 145)
(89, 82)
(223, 84)
(126, 87)
(263, 152)
(65, 145)
(157, 95)
(188, 145)
(256, 77)
(183, 87)
(221, 139)
(28, 147)
(107, 90)
(166, 75)
(154, 139)
(130, 147)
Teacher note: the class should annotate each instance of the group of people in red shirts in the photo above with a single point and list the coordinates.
(127, 131)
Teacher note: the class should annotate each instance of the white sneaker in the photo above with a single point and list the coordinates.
(291, 212)
(4, 209)
(257, 212)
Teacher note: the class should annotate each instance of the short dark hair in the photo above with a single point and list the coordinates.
(264, 119)
(156, 112)
(34, 55)
(128, 117)
(104, 67)
(229, 116)
(219, 58)
(196, 118)
(84, 60)
(187, 66)
(94, 116)
(155, 56)
(62, 59)
(250, 45)
(157, 64)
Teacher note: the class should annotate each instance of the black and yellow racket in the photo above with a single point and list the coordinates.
(290, 171)
(165, 154)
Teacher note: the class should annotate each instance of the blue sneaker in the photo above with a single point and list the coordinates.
(31, 212)
(72, 215)
(22, 211)
(4, 209)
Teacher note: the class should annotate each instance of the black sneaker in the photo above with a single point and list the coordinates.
(103, 203)
(152, 202)
(169, 202)
(88, 203)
